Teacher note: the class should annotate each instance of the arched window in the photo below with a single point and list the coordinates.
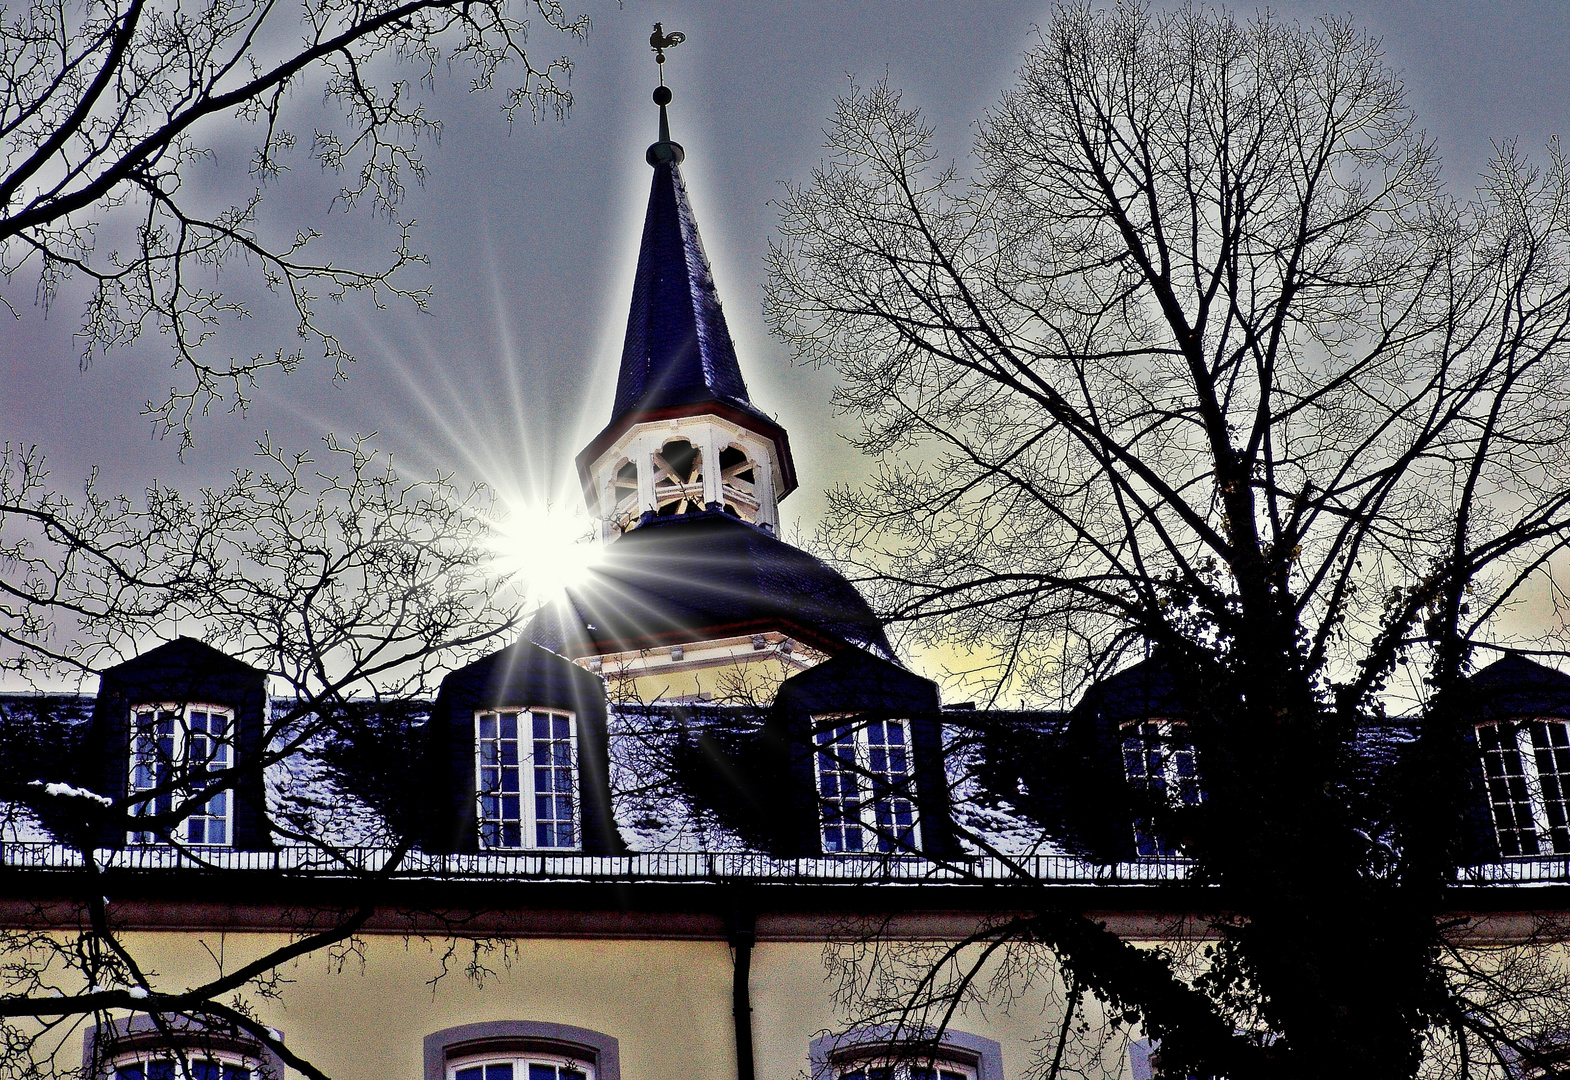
(521, 1050)
(876, 1053)
(678, 478)
(740, 483)
(138, 1049)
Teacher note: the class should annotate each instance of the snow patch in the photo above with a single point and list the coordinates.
(70, 791)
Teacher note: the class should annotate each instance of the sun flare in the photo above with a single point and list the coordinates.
(543, 548)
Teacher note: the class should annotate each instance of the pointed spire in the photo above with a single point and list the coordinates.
(678, 360)
(678, 349)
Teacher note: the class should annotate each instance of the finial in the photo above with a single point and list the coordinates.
(664, 150)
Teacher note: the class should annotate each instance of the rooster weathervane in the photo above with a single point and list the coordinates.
(659, 41)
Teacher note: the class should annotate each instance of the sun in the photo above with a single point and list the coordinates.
(543, 548)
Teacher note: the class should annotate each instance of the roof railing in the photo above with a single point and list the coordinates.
(677, 866)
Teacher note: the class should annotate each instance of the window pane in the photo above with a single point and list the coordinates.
(519, 748)
(840, 789)
(1551, 755)
(1510, 783)
(474, 1072)
(894, 810)
(541, 1072)
(555, 781)
(501, 1071)
(187, 748)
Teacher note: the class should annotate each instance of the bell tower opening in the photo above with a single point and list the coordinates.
(678, 479)
(739, 476)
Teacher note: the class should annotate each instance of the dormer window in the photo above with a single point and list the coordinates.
(527, 772)
(1526, 765)
(180, 748)
(865, 794)
(1159, 758)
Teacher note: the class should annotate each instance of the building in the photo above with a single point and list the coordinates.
(643, 837)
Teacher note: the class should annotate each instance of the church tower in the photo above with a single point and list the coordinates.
(696, 597)
(683, 436)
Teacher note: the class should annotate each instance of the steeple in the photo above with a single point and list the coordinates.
(683, 437)
(678, 349)
(696, 595)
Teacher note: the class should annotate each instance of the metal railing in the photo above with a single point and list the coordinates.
(680, 866)
(673, 866)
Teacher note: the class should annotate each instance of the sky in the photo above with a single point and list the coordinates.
(532, 230)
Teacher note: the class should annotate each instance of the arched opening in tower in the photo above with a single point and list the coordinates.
(624, 496)
(740, 483)
(678, 478)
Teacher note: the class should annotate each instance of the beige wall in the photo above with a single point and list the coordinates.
(363, 1015)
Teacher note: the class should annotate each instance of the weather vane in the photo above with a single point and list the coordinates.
(659, 41)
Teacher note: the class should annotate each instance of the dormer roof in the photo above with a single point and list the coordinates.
(1517, 688)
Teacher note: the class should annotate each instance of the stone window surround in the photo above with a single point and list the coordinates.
(984, 1054)
(138, 1033)
(502, 1035)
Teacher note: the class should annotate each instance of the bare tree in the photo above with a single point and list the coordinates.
(107, 107)
(1202, 358)
(351, 589)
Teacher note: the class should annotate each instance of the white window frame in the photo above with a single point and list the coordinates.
(1537, 801)
(528, 816)
(1167, 739)
(828, 724)
(938, 1068)
(520, 1060)
(190, 1057)
(182, 738)
(1172, 745)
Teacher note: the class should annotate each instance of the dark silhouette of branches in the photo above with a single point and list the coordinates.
(351, 589)
(107, 107)
(1201, 358)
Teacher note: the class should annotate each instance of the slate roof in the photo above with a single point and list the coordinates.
(678, 348)
(1008, 774)
(704, 576)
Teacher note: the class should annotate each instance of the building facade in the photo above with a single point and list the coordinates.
(661, 835)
